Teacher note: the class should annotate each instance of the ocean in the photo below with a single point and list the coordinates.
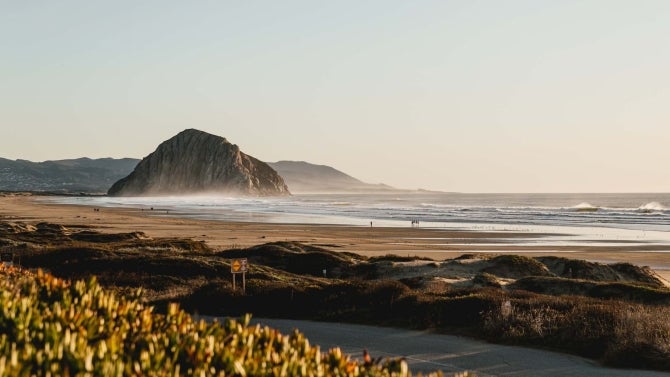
(570, 219)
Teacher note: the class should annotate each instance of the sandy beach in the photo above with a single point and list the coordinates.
(368, 241)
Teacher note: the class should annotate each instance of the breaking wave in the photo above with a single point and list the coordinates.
(652, 207)
(585, 207)
(601, 210)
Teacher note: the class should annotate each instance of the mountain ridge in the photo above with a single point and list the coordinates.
(97, 175)
(306, 177)
(66, 176)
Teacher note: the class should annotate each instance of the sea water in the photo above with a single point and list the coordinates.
(606, 218)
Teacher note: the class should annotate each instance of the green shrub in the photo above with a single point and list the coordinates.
(53, 327)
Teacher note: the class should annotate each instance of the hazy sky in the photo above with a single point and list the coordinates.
(474, 96)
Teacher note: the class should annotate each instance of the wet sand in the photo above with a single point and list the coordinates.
(369, 241)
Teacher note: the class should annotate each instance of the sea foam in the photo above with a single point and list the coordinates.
(652, 207)
(585, 207)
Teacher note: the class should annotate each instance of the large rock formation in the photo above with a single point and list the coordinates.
(195, 162)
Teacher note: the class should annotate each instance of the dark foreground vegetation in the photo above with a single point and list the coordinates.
(51, 327)
(616, 314)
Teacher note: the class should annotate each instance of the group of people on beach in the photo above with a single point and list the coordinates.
(415, 223)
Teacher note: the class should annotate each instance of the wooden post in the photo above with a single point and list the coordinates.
(234, 281)
(244, 283)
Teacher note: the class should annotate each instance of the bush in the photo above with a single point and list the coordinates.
(626, 335)
(50, 326)
(606, 290)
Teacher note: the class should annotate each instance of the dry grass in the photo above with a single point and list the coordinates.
(618, 333)
(621, 321)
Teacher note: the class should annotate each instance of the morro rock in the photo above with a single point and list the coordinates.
(196, 162)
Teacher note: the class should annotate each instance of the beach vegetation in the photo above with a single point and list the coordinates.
(612, 313)
(52, 326)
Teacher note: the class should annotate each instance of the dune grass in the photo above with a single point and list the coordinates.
(615, 332)
(612, 313)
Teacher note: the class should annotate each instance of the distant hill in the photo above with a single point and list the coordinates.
(66, 176)
(197, 162)
(301, 176)
(98, 175)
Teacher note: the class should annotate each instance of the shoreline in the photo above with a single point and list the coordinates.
(367, 241)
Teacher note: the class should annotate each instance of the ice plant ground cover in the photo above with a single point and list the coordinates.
(54, 327)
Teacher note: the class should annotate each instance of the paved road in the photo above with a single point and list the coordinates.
(426, 352)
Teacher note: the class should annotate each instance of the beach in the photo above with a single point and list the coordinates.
(365, 240)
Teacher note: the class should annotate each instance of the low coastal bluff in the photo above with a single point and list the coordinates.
(304, 177)
(196, 162)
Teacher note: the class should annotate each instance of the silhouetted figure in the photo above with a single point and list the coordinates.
(367, 360)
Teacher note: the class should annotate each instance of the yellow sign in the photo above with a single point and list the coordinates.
(238, 266)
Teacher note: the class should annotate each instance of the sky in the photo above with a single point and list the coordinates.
(468, 96)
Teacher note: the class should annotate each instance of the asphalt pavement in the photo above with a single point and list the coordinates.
(428, 352)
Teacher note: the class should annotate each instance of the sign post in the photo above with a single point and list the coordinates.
(239, 266)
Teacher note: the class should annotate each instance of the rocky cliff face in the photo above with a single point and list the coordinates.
(194, 162)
